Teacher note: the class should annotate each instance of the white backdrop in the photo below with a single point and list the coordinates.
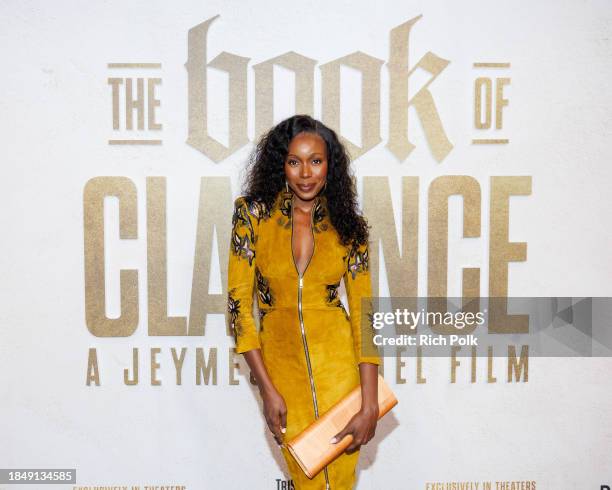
(57, 120)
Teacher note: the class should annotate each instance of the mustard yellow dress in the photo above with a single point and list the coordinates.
(310, 344)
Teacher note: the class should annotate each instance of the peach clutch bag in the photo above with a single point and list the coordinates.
(312, 449)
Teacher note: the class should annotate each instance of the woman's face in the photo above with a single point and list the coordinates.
(306, 165)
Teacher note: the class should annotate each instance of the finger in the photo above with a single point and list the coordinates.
(270, 421)
(271, 426)
(340, 435)
(283, 421)
(360, 437)
(275, 427)
(349, 428)
(354, 446)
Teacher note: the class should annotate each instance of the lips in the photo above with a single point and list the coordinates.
(305, 187)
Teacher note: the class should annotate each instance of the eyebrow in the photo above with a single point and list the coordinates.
(312, 154)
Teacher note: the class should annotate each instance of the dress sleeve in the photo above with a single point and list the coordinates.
(358, 283)
(241, 275)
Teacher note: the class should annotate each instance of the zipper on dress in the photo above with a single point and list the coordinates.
(304, 341)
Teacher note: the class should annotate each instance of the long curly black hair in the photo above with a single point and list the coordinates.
(266, 175)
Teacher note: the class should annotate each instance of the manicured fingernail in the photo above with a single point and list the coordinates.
(283, 429)
(333, 440)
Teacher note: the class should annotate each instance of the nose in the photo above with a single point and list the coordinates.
(305, 170)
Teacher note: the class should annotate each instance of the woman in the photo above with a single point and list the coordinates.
(295, 234)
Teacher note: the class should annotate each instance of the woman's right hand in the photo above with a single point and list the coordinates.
(275, 412)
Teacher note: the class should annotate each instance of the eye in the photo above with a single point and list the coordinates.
(292, 162)
(317, 160)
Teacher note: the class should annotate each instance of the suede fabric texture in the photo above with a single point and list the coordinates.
(261, 261)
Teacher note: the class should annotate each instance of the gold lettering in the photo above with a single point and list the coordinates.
(94, 195)
(502, 251)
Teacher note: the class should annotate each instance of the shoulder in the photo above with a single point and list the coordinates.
(241, 202)
(253, 210)
(240, 207)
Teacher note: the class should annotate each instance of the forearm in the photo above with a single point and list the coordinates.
(255, 361)
(368, 373)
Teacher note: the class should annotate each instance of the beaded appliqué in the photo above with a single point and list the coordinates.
(357, 260)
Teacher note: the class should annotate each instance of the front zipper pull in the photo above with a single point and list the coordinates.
(301, 281)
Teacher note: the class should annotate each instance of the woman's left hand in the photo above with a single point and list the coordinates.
(362, 427)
